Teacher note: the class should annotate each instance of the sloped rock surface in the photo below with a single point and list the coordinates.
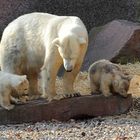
(117, 41)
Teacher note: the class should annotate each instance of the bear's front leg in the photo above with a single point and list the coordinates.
(5, 100)
(48, 84)
(68, 81)
(48, 74)
(69, 77)
(94, 88)
(33, 85)
(105, 86)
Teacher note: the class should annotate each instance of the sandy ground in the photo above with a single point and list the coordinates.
(118, 127)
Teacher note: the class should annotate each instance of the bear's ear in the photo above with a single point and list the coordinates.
(116, 83)
(127, 77)
(82, 40)
(19, 82)
(56, 42)
(24, 77)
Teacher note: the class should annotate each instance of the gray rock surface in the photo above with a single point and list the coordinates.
(117, 41)
(92, 12)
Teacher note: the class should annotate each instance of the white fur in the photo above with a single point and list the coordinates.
(44, 40)
(8, 79)
(8, 84)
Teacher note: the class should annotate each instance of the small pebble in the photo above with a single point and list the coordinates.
(83, 134)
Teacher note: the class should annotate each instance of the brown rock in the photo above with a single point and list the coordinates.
(117, 41)
(63, 110)
(134, 87)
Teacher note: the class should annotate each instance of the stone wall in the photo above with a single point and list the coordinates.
(92, 12)
(137, 6)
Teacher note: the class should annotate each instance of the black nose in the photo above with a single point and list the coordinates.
(68, 70)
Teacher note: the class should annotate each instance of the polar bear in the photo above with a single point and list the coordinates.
(108, 78)
(13, 88)
(42, 42)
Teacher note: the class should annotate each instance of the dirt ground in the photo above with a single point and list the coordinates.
(118, 127)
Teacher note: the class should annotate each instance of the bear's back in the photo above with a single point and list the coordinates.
(28, 23)
(8, 78)
(103, 66)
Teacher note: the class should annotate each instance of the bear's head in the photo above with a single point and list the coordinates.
(121, 84)
(69, 48)
(22, 86)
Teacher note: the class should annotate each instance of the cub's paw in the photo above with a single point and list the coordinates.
(8, 107)
(24, 99)
(15, 100)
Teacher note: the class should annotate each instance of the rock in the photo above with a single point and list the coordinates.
(117, 41)
(83, 134)
(134, 87)
(66, 109)
(96, 12)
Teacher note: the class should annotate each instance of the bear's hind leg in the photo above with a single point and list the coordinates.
(33, 86)
(48, 74)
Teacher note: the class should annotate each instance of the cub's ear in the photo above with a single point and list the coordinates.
(116, 83)
(82, 40)
(127, 77)
(20, 82)
(24, 77)
(56, 42)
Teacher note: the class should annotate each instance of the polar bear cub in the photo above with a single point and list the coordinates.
(12, 86)
(43, 42)
(108, 78)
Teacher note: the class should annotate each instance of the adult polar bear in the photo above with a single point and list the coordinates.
(42, 41)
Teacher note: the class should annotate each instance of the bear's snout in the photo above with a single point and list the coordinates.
(68, 65)
(68, 68)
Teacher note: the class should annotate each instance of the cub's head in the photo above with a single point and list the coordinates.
(69, 48)
(23, 85)
(121, 84)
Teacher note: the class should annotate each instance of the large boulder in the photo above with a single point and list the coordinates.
(117, 41)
